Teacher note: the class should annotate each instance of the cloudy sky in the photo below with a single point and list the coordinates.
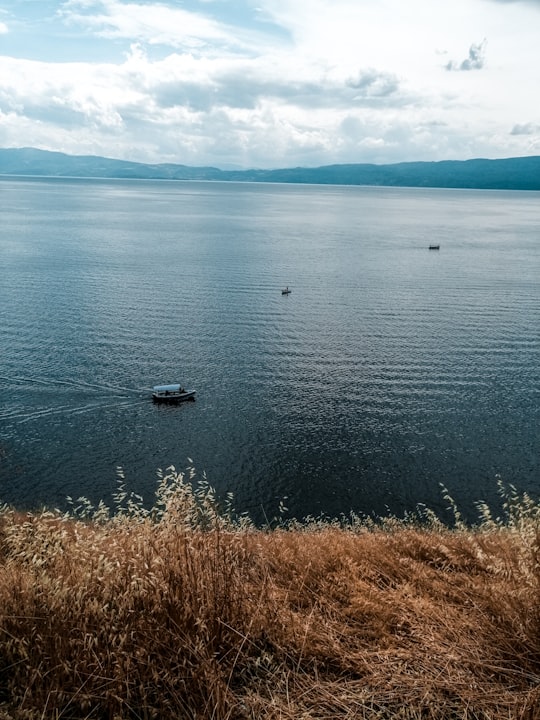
(272, 83)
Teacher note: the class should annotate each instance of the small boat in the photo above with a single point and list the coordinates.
(171, 394)
(286, 291)
(434, 247)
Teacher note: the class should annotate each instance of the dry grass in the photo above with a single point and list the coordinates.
(183, 612)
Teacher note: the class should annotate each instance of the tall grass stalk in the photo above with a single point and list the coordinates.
(185, 610)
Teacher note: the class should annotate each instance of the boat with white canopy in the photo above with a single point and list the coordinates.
(172, 393)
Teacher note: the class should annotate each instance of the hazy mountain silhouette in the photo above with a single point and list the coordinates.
(522, 173)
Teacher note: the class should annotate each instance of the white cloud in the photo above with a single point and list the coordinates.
(3, 28)
(155, 24)
(315, 82)
(474, 60)
(525, 129)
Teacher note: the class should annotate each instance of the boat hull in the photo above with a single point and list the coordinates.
(173, 397)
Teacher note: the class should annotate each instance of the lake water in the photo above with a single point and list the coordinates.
(388, 370)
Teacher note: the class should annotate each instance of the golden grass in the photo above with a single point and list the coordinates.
(183, 612)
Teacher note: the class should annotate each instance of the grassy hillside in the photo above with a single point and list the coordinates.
(184, 612)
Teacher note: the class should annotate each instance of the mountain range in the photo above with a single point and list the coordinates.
(521, 173)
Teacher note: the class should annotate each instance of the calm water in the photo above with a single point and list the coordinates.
(388, 370)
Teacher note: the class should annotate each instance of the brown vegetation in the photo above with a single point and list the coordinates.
(182, 612)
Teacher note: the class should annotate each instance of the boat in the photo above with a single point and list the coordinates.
(286, 291)
(171, 393)
(434, 247)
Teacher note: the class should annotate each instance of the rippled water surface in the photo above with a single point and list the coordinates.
(388, 370)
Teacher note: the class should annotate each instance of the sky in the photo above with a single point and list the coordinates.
(272, 83)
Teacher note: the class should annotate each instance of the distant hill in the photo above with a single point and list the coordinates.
(509, 174)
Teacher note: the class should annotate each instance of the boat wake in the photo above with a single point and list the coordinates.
(116, 397)
(21, 418)
(75, 384)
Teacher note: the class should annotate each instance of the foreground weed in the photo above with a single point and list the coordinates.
(186, 610)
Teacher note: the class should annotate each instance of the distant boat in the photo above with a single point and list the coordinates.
(286, 291)
(171, 394)
(434, 247)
